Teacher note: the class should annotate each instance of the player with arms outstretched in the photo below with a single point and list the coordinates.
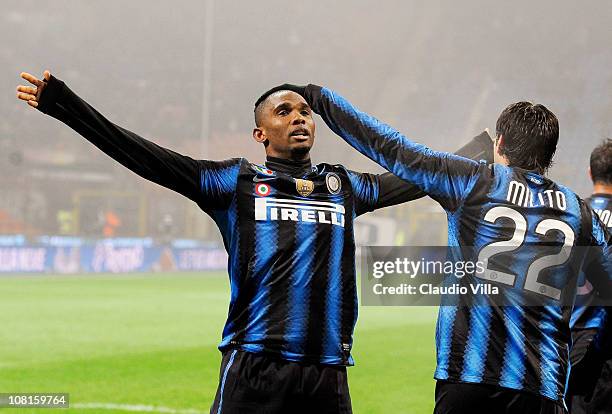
(288, 230)
(491, 358)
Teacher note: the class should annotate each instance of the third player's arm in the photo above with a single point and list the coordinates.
(443, 176)
(598, 262)
(598, 270)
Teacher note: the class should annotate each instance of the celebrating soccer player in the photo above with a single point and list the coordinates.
(590, 388)
(496, 357)
(288, 230)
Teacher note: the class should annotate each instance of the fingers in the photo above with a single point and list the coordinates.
(32, 94)
(31, 78)
(27, 89)
(26, 96)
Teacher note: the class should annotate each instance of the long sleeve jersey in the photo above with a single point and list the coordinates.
(589, 314)
(514, 346)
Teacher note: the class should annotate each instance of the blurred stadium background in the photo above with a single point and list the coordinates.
(113, 289)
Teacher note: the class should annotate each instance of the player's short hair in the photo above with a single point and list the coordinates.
(531, 133)
(601, 162)
(258, 112)
(260, 103)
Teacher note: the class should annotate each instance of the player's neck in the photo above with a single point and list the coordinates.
(602, 188)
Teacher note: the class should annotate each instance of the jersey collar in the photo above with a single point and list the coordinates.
(289, 167)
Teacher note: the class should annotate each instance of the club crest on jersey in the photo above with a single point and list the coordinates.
(263, 171)
(333, 183)
(262, 189)
(304, 187)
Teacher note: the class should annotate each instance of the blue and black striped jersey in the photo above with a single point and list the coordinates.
(289, 234)
(586, 313)
(514, 346)
(291, 257)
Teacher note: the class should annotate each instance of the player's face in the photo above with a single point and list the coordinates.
(287, 125)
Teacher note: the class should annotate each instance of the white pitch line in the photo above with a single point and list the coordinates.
(137, 408)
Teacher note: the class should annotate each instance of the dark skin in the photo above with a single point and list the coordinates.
(285, 126)
(31, 94)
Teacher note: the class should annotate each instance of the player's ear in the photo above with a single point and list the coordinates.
(499, 143)
(590, 174)
(259, 135)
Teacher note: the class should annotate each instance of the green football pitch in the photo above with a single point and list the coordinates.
(147, 343)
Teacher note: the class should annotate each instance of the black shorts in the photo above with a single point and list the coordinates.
(590, 384)
(601, 400)
(459, 398)
(262, 384)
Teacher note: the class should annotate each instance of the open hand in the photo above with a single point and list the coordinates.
(31, 94)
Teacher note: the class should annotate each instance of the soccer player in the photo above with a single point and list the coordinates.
(495, 357)
(288, 230)
(590, 386)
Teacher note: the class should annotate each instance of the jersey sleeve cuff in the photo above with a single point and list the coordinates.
(312, 94)
(50, 95)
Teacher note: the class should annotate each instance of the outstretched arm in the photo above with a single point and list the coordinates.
(376, 191)
(207, 182)
(445, 177)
